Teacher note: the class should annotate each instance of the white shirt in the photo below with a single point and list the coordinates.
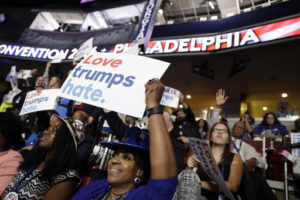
(246, 151)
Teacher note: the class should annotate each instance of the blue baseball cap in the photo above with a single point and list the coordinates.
(135, 138)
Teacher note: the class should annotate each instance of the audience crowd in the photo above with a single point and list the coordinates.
(56, 154)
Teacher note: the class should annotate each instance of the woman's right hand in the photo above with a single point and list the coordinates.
(193, 163)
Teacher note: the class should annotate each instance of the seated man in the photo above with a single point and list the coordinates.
(252, 159)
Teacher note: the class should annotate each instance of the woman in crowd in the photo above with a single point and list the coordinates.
(230, 165)
(249, 125)
(127, 169)
(202, 128)
(49, 169)
(270, 126)
(11, 140)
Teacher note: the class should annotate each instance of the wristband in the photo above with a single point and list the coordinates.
(155, 110)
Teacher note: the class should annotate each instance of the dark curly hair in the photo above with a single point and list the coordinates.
(205, 127)
(62, 155)
(264, 121)
(11, 128)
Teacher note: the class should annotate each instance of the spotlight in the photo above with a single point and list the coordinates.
(211, 5)
(188, 96)
(284, 95)
(265, 108)
(2, 17)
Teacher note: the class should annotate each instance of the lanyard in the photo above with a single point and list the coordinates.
(238, 149)
(20, 184)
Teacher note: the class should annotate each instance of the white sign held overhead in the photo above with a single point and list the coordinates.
(39, 101)
(170, 97)
(24, 74)
(113, 81)
(13, 71)
(84, 49)
(202, 150)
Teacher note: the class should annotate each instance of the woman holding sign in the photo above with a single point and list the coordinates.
(129, 165)
(230, 164)
(49, 169)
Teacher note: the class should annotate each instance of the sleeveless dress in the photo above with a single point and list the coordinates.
(224, 167)
(37, 188)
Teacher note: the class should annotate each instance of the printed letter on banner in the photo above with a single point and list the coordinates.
(170, 97)
(113, 81)
(202, 150)
(39, 100)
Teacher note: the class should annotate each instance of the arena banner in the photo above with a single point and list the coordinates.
(170, 97)
(214, 42)
(202, 150)
(113, 81)
(260, 34)
(147, 22)
(39, 100)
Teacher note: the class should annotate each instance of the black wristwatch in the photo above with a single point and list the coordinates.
(155, 110)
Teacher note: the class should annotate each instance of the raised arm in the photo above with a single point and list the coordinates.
(46, 75)
(189, 113)
(221, 99)
(162, 159)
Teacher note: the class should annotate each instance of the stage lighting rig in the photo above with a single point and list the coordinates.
(203, 70)
(238, 66)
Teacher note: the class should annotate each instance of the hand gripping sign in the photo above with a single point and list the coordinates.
(202, 150)
(113, 81)
(39, 101)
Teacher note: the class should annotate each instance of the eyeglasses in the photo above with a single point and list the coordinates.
(217, 130)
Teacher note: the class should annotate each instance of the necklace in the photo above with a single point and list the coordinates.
(117, 195)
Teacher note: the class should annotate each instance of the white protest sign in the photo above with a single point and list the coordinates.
(84, 49)
(24, 74)
(39, 101)
(13, 71)
(113, 81)
(202, 150)
(170, 97)
(295, 138)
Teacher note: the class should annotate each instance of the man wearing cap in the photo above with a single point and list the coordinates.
(185, 125)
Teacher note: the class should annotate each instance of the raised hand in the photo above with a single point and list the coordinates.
(181, 98)
(220, 98)
(154, 92)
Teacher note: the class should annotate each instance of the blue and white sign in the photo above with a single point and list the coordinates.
(147, 22)
(295, 138)
(170, 97)
(113, 81)
(39, 100)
